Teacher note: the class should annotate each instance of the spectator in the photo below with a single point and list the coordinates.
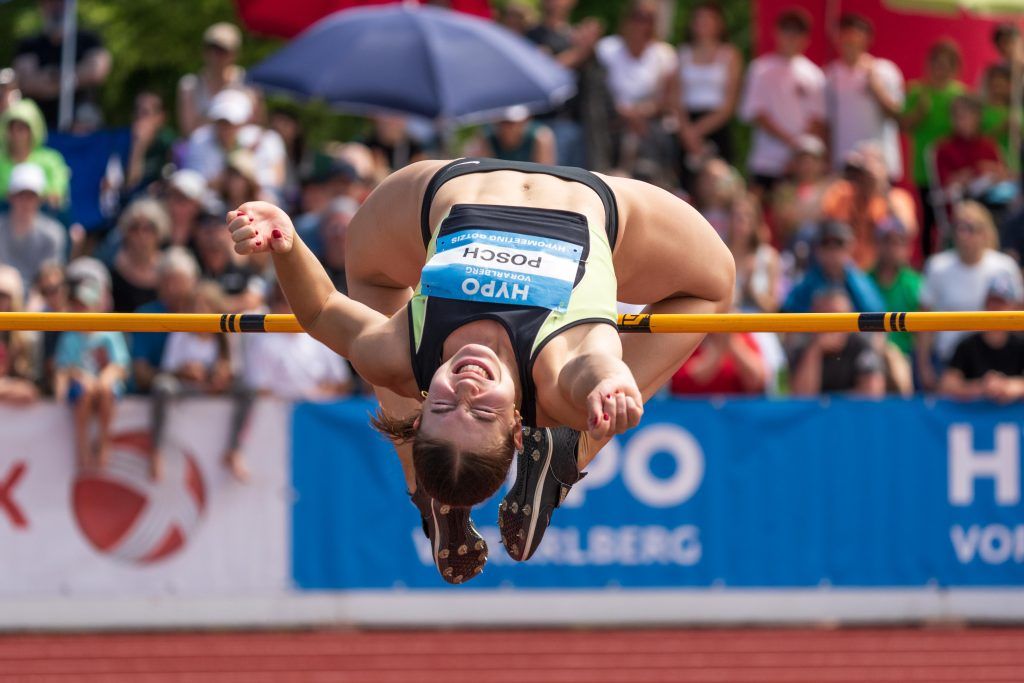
(243, 288)
(639, 69)
(28, 238)
(177, 276)
(996, 112)
(834, 269)
(294, 367)
(37, 62)
(897, 282)
(926, 117)
(143, 227)
(240, 182)
(722, 364)
(517, 16)
(517, 137)
(152, 140)
(716, 188)
(1006, 38)
(969, 164)
(185, 202)
(957, 280)
(705, 91)
(989, 364)
(581, 125)
(796, 201)
(330, 179)
(91, 371)
(784, 99)
(9, 93)
(758, 266)
(392, 145)
(864, 199)
(23, 134)
(210, 144)
(333, 226)
(196, 92)
(200, 364)
(865, 97)
(836, 362)
(286, 123)
(19, 368)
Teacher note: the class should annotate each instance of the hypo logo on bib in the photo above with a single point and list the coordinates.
(502, 267)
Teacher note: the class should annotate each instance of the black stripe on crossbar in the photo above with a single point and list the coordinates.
(903, 322)
(636, 322)
(224, 322)
(231, 322)
(251, 322)
(871, 322)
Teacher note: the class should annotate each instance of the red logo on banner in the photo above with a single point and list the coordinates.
(7, 503)
(124, 514)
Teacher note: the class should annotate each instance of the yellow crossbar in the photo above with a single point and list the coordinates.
(660, 323)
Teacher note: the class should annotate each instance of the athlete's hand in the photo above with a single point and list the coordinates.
(614, 406)
(259, 227)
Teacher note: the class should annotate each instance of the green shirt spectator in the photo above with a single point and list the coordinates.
(900, 294)
(934, 124)
(22, 133)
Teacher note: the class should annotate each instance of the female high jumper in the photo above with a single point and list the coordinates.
(482, 307)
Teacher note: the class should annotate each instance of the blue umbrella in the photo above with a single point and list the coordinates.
(422, 61)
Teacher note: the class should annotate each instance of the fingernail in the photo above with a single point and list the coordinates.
(276, 234)
(606, 416)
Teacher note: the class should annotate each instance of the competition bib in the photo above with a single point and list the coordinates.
(503, 268)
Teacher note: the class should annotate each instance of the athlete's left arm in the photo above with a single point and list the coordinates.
(597, 387)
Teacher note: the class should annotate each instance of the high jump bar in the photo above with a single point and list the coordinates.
(978, 321)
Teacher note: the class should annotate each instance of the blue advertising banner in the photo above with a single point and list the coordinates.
(742, 493)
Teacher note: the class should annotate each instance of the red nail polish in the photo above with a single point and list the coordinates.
(606, 417)
(276, 234)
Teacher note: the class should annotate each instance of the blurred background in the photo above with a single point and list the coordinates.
(855, 156)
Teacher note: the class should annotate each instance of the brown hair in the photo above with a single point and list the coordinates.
(451, 476)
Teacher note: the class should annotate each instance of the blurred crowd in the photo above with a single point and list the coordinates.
(823, 214)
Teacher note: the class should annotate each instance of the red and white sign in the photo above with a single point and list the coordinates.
(115, 532)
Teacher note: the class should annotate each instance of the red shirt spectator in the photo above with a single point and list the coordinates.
(723, 364)
(967, 160)
(964, 154)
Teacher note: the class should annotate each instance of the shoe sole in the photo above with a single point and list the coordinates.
(519, 495)
(445, 554)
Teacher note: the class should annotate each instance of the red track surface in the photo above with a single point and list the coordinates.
(636, 656)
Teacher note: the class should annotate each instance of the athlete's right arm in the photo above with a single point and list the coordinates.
(326, 314)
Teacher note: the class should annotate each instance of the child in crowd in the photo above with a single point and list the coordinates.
(200, 364)
(90, 375)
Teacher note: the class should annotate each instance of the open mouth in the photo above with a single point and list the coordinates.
(471, 367)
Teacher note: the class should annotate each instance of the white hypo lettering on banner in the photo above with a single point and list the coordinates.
(197, 532)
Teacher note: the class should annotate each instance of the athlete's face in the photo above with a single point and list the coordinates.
(471, 400)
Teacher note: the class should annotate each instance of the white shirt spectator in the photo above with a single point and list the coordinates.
(951, 285)
(204, 154)
(293, 366)
(789, 91)
(704, 84)
(635, 79)
(187, 347)
(855, 116)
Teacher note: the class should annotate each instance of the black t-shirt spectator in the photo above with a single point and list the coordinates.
(974, 357)
(126, 296)
(841, 371)
(48, 55)
(547, 37)
(234, 279)
(396, 156)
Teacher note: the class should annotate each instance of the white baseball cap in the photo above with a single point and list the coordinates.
(190, 183)
(27, 177)
(233, 106)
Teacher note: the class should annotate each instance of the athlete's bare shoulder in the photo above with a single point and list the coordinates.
(383, 241)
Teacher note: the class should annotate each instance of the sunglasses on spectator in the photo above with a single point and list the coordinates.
(832, 244)
(135, 226)
(967, 226)
(50, 290)
(643, 16)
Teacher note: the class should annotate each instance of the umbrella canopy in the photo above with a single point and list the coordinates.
(288, 19)
(422, 61)
(1005, 7)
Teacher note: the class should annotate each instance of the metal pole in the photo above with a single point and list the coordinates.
(66, 108)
